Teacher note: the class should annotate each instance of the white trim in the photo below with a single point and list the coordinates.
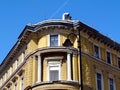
(69, 67)
(22, 82)
(5, 76)
(39, 68)
(16, 64)
(11, 70)
(23, 55)
(49, 40)
(58, 39)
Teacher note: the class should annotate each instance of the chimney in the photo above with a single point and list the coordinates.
(66, 16)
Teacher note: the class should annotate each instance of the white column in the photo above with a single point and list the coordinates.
(68, 67)
(39, 68)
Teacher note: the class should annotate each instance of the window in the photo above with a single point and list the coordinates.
(118, 62)
(1, 82)
(15, 86)
(109, 58)
(96, 51)
(53, 40)
(22, 83)
(23, 55)
(54, 71)
(9, 88)
(17, 61)
(111, 84)
(99, 81)
(11, 70)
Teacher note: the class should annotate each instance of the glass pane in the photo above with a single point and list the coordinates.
(96, 51)
(99, 82)
(108, 58)
(54, 75)
(111, 84)
(54, 40)
(119, 62)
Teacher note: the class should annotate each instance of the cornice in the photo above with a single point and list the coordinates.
(65, 24)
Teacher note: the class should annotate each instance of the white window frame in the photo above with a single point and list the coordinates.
(49, 39)
(102, 79)
(0, 82)
(17, 61)
(15, 85)
(54, 63)
(111, 77)
(21, 82)
(110, 57)
(98, 51)
(11, 70)
(23, 55)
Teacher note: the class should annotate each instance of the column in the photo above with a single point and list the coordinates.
(39, 68)
(69, 66)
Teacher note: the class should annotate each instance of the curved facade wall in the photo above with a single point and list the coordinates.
(39, 61)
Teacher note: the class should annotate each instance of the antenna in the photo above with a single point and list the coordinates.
(59, 8)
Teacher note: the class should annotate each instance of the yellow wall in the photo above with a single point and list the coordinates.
(89, 63)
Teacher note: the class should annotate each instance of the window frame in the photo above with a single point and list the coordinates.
(58, 42)
(102, 81)
(118, 62)
(54, 63)
(111, 77)
(15, 85)
(99, 55)
(21, 82)
(107, 51)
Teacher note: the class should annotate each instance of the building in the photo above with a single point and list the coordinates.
(39, 61)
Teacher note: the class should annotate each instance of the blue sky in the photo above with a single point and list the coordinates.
(103, 15)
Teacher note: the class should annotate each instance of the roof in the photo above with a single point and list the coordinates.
(67, 23)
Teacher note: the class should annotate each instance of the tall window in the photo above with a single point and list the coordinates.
(11, 70)
(53, 40)
(99, 81)
(109, 57)
(54, 71)
(111, 84)
(15, 86)
(119, 62)
(9, 88)
(22, 83)
(96, 51)
(23, 55)
(1, 82)
(17, 61)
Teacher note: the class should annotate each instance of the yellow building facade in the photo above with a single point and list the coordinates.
(39, 61)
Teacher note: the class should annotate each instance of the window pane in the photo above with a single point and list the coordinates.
(111, 84)
(53, 40)
(54, 75)
(96, 51)
(99, 81)
(119, 62)
(108, 57)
